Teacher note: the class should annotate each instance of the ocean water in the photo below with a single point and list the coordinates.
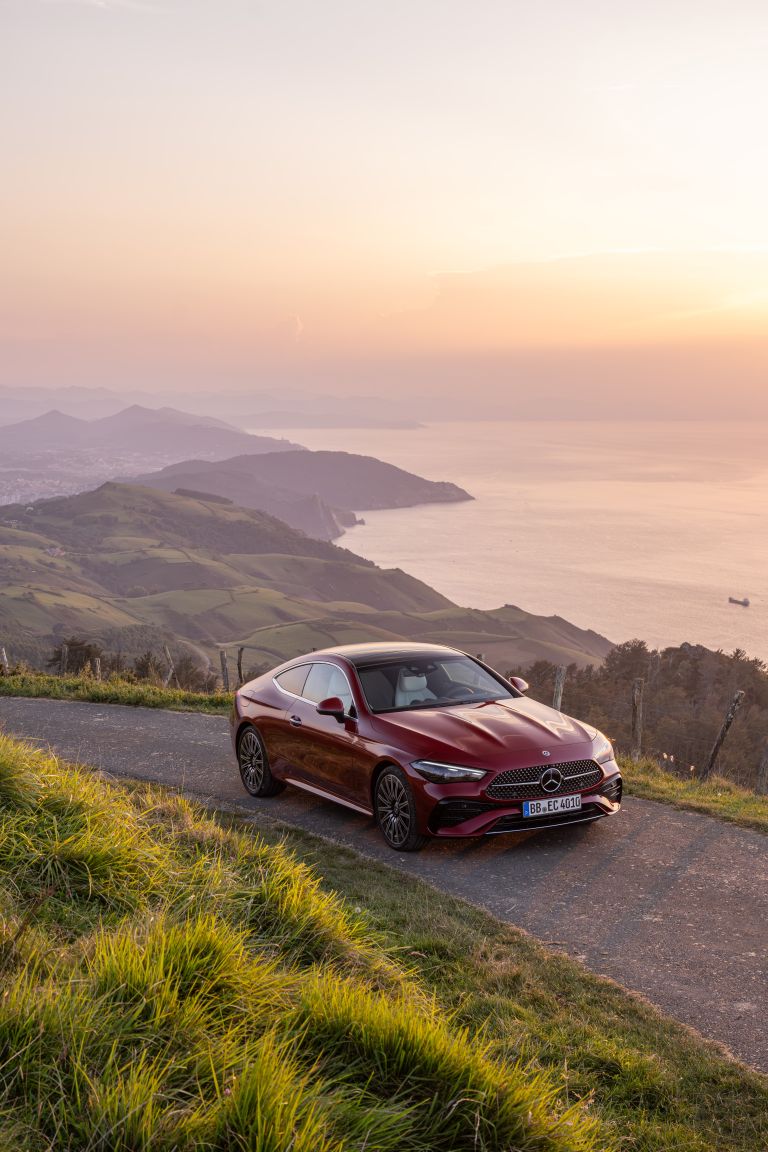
(641, 529)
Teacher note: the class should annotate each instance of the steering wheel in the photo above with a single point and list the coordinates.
(457, 690)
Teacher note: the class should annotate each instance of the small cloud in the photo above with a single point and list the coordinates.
(290, 329)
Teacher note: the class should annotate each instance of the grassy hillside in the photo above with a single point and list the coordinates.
(317, 493)
(124, 558)
(170, 984)
(176, 982)
(343, 479)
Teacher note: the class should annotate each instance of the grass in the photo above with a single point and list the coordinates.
(112, 691)
(175, 981)
(653, 1084)
(714, 797)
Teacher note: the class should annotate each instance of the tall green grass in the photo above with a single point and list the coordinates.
(171, 984)
(714, 797)
(112, 691)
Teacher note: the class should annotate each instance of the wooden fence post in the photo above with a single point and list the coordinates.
(171, 669)
(557, 698)
(97, 667)
(4, 660)
(224, 669)
(733, 708)
(240, 676)
(638, 687)
(761, 784)
(64, 660)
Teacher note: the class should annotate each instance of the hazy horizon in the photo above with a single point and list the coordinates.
(555, 208)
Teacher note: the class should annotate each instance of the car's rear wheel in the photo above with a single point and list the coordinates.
(254, 765)
(395, 811)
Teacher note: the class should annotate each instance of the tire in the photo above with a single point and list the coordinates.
(253, 762)
(395, 811)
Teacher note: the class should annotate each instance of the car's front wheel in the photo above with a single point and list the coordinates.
(254, 765)
(395, 811)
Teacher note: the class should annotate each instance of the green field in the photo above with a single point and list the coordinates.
(176, 981)
(124, 557)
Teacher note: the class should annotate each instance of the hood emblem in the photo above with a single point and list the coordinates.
(545, 753)
(551, 779)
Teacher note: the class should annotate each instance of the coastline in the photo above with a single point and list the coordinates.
(610, 530)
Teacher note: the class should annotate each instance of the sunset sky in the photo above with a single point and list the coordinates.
(409, 193)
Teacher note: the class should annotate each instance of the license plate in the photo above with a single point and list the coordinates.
(551, 806)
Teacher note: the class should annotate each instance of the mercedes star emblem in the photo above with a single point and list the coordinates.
(551, 779)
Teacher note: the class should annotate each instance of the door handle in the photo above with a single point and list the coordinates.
(296, 721)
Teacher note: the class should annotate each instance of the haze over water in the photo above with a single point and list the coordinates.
(640, 529)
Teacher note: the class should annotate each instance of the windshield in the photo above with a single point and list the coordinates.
(436, 682)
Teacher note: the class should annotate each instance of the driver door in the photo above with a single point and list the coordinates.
(327, 753)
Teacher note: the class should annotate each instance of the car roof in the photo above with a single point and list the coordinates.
(362, 654)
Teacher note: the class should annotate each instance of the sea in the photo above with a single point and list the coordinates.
(638, 529)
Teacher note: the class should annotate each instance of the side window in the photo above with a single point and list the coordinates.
(326, 680)
(316, 687)
(293, 680)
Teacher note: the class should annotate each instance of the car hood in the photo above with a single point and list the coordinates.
(489, 729)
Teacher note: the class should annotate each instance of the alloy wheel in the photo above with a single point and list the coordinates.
(251, 756)
(394, 809)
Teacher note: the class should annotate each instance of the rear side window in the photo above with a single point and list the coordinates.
(293, 680)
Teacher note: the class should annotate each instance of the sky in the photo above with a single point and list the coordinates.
(562, 198)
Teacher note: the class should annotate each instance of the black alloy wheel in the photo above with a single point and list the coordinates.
(254, 765)
(395, 811)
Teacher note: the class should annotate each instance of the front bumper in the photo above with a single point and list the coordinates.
(454, 818)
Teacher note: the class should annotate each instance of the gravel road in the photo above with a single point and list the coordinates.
(671, 904)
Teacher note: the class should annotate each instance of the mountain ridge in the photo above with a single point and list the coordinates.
(319, 492)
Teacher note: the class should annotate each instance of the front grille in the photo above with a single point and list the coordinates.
(523, 783)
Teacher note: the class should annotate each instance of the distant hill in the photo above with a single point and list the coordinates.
(59, 454)
(147, 431)
(117, 561)
(316, 491)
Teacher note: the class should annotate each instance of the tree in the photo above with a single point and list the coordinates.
(150, 666)
(80, 653)
(192, 677)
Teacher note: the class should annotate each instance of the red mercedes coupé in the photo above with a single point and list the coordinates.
(427, 740)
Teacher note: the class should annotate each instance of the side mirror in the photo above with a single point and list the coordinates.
(519, 683)
(332, 707)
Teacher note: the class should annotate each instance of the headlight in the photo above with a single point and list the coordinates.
(602, 749)
(445, 773)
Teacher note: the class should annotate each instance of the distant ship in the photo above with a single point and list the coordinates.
(735, 600)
